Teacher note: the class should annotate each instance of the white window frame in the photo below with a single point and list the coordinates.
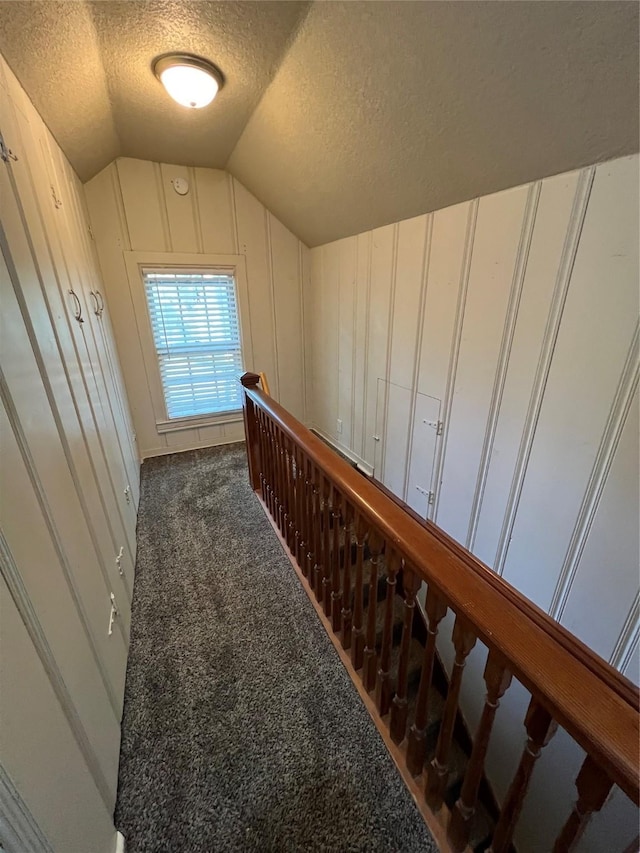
(235, 265)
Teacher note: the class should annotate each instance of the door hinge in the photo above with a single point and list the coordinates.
(437, 425)
(430, 496)
(6, 153)
(113, 613)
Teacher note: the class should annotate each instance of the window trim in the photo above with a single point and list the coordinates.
(136, 263)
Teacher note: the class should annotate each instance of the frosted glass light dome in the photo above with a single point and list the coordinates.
(190, 80)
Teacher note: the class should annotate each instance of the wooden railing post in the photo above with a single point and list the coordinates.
(464, 640)
(540, 727)
(436, 610)
(497, 679)
(593, 787)
(399, 706)
(251, 380)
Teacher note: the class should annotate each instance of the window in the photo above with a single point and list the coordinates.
(196, 332)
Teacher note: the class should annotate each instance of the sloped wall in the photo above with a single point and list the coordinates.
(483, 362)
(133, 207)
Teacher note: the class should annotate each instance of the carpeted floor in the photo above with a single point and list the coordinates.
(242, 731)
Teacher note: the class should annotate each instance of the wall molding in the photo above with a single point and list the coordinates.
(20, 596)
(422, 301)
(621, 405)
(365, 381)
(447, 402)
(561, 289)
(18, 828)
(628, 640)
(508, 333)
(303, 327)
(272, 294)
(382, 443)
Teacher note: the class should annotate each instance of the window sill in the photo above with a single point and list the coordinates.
(181, 424)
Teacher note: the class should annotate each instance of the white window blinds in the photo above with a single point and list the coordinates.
(194, 318)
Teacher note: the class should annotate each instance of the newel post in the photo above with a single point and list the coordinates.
(251, 380)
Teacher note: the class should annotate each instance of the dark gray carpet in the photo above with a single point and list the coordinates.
(242, 731)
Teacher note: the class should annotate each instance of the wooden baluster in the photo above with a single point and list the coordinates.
(300, 540)
(317, 532)
(270, 451)
(436, 610)
(251, 380)
(369, 654)
(357, 633)
(284, 485)
(593, 787)
(399, 707)
(438, 773)
(346, 614)
(540, 727)
(288, 493)
(384, 686)
(310, 519)
(497, 678)
(291, 494)
(326, 547)
(303, 544)
(277, 493)
(336, 586)
(265, 462)
(294, 467)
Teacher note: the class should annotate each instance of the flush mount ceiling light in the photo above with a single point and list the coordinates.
(190, 80)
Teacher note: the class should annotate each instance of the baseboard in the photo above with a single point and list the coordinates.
(360, 464)
(169, 451)
(120, 843)
(436, 824)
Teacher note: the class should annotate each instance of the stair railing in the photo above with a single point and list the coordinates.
(326, 512)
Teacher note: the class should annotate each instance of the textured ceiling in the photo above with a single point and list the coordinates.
(382, 111)
(340, 116)
(87, 68)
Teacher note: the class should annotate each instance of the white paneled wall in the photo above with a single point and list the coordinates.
(134, 208)
(483, 361)
(69, 474)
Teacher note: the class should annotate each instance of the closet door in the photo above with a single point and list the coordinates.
(42, 283)
(36, 452)
(73, 233)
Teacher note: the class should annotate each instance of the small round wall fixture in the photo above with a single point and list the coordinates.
(190, 80)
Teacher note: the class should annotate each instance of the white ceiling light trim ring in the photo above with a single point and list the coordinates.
(190, 80)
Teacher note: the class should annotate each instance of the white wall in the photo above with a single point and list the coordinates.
(133, 207)
(69, 474)
(513, 320)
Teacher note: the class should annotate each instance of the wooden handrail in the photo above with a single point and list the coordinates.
(595, 705)
(603, 670)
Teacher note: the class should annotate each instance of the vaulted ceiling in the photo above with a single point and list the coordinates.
(339, 116)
